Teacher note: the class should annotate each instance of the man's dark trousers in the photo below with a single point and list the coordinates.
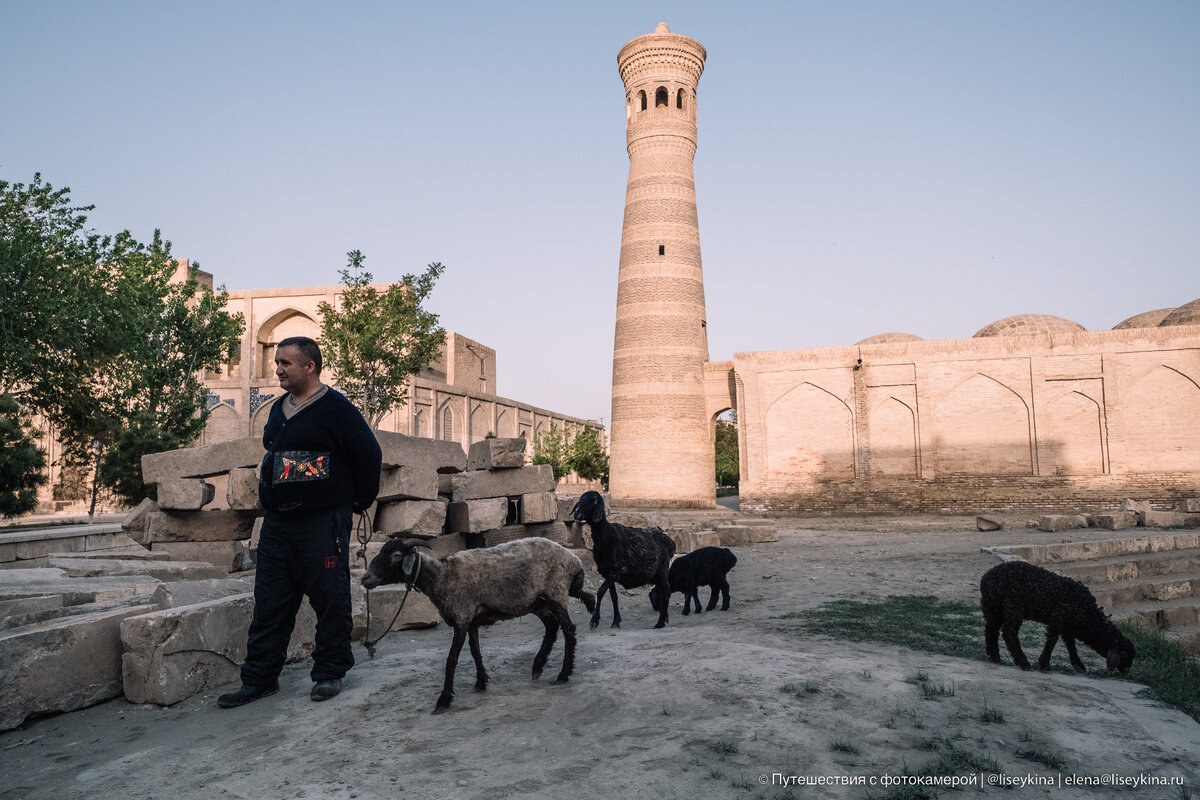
(297, 556)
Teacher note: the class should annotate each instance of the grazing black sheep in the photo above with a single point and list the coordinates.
(632, 557)
(1016, 591)
(480, 587)
(707, 566)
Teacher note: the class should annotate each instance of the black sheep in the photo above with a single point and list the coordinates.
(707, 566)
(632, 557)
(1015, 591)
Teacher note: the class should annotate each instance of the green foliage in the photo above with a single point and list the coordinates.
(588, 459)
(552, 447)
(933, 625)
(100, 338)
(582, 453)
(21, 460)
(373, 341)
(727, 453)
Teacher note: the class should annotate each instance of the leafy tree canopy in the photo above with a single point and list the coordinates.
(101, 338)
(727, 454)
(21, 460)
(374, 340)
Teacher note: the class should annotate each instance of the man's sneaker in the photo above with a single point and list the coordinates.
(323, 690)
(246, 694)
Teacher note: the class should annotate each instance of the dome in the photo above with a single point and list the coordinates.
(1186, 314)
(1147, 319)
(888, 338)
(1022, 324)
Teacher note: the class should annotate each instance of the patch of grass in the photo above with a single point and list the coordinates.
(918, 678)
(931, 692)
(724, 747)
(990, 715)
(715, 773)
(921, 622)
(1053, 760)
(866, 675)
(908, 712)
(1169, 674)
(741, 783)
(801, 689)
(932, 625)
(842, 746)
(1183, 793)
(1025, 735)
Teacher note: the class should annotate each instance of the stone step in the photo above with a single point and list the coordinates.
(1046, 554)
(1157, 588)
(28, 546)
(742, 535)
(1112, 569)
(1188, 638)
(1161, 615)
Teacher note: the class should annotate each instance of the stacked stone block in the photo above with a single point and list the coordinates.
(499, 499)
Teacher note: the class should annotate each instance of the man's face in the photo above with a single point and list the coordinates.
(291, 369)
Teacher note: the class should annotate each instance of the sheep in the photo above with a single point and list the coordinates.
(1016, 591)
(632, 557)
(479, 587)
(707, 566)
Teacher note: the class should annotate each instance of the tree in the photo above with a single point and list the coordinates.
(21, 460)
(147, 397)
(588, 459)
(373, 341)
(727, 453)
(98, 337)
(55, 318)
(551, 447)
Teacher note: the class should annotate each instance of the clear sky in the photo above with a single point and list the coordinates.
(926, 167)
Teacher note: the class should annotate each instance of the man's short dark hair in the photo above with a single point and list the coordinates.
(309, 351)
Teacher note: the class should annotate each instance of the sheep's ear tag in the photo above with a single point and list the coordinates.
(410, 559)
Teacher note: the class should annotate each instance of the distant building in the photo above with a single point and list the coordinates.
(453, 398)
(1032, 412)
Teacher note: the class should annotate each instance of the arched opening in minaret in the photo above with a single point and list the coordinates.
(661, 97)
(679, 99)
(641, 101)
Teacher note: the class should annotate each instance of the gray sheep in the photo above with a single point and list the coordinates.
(1015, 591)
(480, 587)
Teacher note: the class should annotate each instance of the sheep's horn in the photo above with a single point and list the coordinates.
(415, 542)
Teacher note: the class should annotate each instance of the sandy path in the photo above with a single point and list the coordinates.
(692, 711)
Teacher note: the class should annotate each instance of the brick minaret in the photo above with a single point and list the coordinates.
(661, 444)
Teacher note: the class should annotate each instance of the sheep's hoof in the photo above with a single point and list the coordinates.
(562, 679)
(595, 623)
(660, 624)
(1025, 667)
(481, 687)
(1080, 667)
(440, 709)
(616, 623)
(686, 612)
(537, 673)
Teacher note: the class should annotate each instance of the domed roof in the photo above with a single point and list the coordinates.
(885, 338)
(1186, 314)
(1021, 324)
(1147, 319)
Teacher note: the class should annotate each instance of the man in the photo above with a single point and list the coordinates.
(322, 464)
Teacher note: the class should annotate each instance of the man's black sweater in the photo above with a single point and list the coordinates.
(324, 456)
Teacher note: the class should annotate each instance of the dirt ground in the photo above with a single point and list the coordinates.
(696, 710)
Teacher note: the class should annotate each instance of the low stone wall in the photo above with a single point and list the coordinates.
(970, 494)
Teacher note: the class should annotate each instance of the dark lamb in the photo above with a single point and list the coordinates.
(1016, 591)
(632, 557)
(707, 566)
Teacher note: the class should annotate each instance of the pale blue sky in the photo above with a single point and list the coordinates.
(926, 167)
